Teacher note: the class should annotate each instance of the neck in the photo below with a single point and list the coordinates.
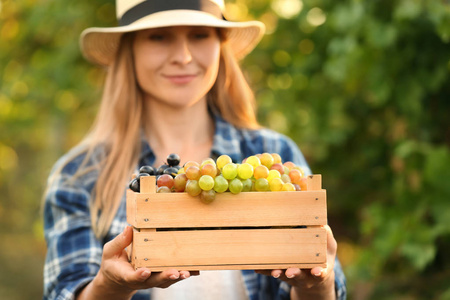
(187, 131)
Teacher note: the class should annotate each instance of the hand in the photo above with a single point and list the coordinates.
(316, 281)
(117, 279)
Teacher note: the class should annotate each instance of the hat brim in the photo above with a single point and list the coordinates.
(99, 45)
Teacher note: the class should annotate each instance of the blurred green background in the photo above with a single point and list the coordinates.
(362, 86)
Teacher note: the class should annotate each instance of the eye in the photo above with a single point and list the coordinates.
(157, 37)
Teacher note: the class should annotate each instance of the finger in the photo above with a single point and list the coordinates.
(331, 242)
(119, 243)
(319, 272)
(294, 273)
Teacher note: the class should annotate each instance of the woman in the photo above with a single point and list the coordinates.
(173, 86)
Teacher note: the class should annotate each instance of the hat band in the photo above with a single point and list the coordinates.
(148, 7)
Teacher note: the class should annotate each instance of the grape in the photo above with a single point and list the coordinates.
(207, 161)
(286, 178)
(207, 196)
(302, 184)
(253, 160)
(278, 167)
(276, 184)
(134, 185)
(147, 169)
(165, 180)
(161, 169)
(302, 172)
(273, 174)
(247, 185)
(261, 172)
(179, 182)
(171, 171)
(229, 171)
(276, 158)
(163, 189)
(266, 159)
(206, 182)
(295, 176)
(193, 173)
(192, 188)
(191, 163)
(173, 159)
(222, 161)
(289, 165)
(220, 184)
(235, 186)
(245, 170)
(288, 187)
(209, 169)
(141, 175)
(262, 185)
(297, 187)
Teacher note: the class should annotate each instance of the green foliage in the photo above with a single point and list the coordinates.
(362, 86)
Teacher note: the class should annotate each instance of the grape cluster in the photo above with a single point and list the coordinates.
(168, 169)
(262, 172)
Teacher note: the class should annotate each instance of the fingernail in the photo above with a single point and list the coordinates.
(318, 273)
(276, 275)
(145, 273)
(173, 277)
(290, 276)
(184, 276)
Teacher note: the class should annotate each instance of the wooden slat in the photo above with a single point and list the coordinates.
(148, 184)
(239, 267)
(314, 182)
(258, 209)
(226, 249)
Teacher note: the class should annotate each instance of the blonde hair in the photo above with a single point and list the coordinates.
(118, 126)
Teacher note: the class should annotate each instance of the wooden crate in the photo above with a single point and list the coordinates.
(251, 230)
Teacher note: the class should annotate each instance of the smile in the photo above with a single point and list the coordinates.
(180, 79)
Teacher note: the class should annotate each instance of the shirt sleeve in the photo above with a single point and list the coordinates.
(289, 151)
(73, 252)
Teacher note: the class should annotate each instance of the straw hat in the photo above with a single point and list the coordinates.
(99, 45)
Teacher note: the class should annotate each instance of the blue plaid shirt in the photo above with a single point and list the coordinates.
(74, 253)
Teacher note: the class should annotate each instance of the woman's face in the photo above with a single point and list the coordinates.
(176, 65)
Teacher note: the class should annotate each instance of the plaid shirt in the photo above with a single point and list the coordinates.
(74, 253)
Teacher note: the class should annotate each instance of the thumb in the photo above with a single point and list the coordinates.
(119, 243)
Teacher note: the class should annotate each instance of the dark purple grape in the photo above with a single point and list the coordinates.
(147, 169)
(161, 169)
(134, 185)
(141, 175)
(173, 160)
(171, 171)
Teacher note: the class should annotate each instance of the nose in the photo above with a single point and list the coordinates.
(181, 52)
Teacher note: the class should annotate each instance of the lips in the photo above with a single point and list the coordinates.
(180, 79)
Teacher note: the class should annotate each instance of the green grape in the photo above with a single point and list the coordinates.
(253, 160)
(235, 186)
(247, 185)
(229, 171)
(273, 174)
(245, 170)
(261, 172)
(179, 182)
(220, 184)
(285, 178)
(288, 187)
(192, 188)
(206, 182)
(276, 184)
(262, 185)
(207, 196)
(222, 161)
